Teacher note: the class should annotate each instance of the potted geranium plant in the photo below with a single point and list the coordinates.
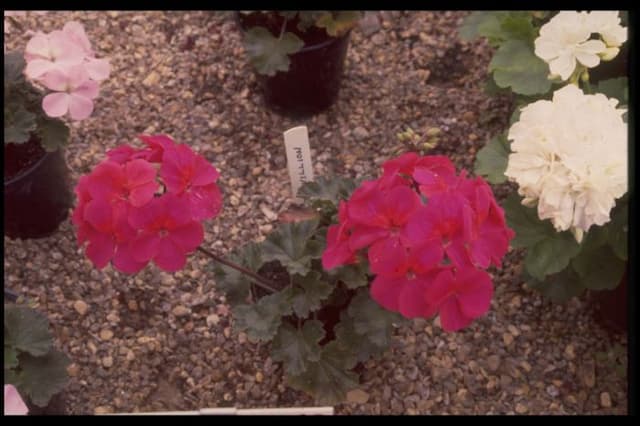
(325, 287)
(298, 56)
(37, 194)
(568, 156)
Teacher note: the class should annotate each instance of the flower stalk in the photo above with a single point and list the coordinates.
(258, 280)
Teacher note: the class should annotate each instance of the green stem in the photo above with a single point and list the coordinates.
(258, 280)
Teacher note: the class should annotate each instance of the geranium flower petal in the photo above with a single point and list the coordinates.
(170, 257)
(80, 107)
(56, 104)
(100, 249)
(188, 237)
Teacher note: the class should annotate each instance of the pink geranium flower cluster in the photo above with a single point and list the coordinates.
(146, 204)
(429, 234)
(64, 62)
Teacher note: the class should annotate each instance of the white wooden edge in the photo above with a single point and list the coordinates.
(292, 411)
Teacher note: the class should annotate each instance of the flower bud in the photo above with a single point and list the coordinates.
(609, 53)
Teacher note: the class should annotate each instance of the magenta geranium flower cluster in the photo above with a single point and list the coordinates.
(146, 204)
(64, 62)
(428, 234)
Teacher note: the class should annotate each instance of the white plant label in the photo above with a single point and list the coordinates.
(296, 144)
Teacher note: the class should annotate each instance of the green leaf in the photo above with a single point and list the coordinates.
(234, 284)
(491, 160)
(515, 27)
(43, 376)
(558, 287)
(269, 54)
(297, 348)
(353, 276)
(336, 24)
(370, 319)
(18, 124)
(329, 379)
(291, 245)
(480, 24)
(551, 254)
(10, 357)
(618, 227)
(14, 66)
(27, 330)
(600, 268)
(308, 293)
(515, 65)
(308, 18)
(54, 134)
(262, 319)
(617, 88)
(327, 189)
(359, 344)
(11, 376)
(525, 222)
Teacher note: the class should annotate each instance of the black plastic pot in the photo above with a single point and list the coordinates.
(611, 307)
(313, 80)
(37, 199)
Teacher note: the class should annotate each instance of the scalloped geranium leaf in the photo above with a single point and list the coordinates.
(518, 27)
(41, 377)
(262, 319)
(308, 293)
(347, 337)
(558, 287)
(291, 245)
(54, 134)
(14, 65)
(234, 284)
(492, 159)
(515, 65)
(10, 357)
(27, 330)
(480, 24)
(329, 379)
(269, 54)
(327, 189)
(525, 222)
(18, 124)
(551, 254)
(371, 320)
(618, 235)
(338, 23)
(617, 88)
(297, 348)
(353, 276)
(308, 18)
(600, 268)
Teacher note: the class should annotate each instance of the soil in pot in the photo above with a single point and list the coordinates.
(312, 82)
(37, 194)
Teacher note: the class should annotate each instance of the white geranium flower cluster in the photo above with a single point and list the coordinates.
(570, 155)
(566, 40)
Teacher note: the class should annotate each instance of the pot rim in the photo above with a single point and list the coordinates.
(25, 173)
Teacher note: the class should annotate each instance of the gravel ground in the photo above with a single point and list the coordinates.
(165, 342)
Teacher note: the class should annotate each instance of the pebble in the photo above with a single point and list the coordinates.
(569, 352)
(521, 408)
(493, 362)
(507, 339)
(605, 400)
(357, 396)
(212, 319)
(103, 410)
(360, 133)
(106, 334)
(80, 306)
(107, 361)
(259, 377)
(552, 391)
(180, 311)
(73, 369)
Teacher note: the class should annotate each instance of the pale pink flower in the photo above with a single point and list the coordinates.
(13, 403)
(49, 52)
(75, 92)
